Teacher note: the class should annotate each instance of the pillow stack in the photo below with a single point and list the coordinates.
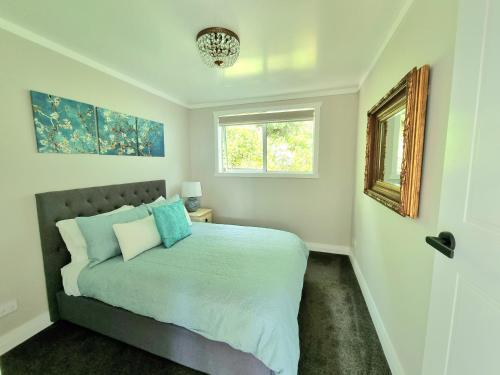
(128, 230)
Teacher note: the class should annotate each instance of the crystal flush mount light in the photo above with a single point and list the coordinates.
(218, 47)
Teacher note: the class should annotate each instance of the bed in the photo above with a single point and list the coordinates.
(205, 346)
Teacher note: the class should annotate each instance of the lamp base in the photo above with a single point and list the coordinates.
(192, 204)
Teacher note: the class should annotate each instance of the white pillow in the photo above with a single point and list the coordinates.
(172, 199)
(73, 237)
(137, 236)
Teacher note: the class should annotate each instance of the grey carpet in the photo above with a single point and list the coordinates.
(336, 336)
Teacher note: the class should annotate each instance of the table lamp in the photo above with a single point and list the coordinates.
(192, 191)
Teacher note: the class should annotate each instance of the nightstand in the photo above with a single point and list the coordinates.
(202, 215)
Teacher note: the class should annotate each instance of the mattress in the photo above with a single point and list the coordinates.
(239, 285)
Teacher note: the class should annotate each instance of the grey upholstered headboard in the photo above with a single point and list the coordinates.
(67, 204)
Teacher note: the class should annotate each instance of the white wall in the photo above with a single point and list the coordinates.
(318, 210)
(391, 250)
(24, 172)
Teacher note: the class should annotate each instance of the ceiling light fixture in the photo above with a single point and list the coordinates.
(219, 47)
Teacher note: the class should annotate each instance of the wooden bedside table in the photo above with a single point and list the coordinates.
(201, 215)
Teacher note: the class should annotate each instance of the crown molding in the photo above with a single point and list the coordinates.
(273, 98)
(67, 52)
(401, 15)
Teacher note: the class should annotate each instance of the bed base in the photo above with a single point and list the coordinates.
(165, 340)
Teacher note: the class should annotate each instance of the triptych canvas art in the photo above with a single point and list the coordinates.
(70, 127)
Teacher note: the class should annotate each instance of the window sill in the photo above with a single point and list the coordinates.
(271, 175)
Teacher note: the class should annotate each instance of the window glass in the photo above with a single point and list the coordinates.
(243, 148)
(271, 143)
(290, 147)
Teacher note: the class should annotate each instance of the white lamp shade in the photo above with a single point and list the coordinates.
(191, 189)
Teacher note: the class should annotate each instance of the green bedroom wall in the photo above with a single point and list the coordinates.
(390, 250)
(24, 172)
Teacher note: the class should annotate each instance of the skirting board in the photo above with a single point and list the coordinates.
(22, 333)
(390, 352)
(326, 248)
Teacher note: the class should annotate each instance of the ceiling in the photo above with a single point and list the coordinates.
(288, 47)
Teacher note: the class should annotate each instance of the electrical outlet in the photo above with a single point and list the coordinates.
(8, 307)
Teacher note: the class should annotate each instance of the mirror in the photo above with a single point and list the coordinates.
(392, 149)
(394, 144)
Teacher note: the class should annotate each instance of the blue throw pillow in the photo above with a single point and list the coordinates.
(102, 243)
(171, 222)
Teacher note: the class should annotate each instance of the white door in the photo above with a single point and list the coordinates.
(463, 335)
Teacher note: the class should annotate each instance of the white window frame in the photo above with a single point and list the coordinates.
(252, 173)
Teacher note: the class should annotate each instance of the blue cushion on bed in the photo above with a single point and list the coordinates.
(171, 222)
(102, 243)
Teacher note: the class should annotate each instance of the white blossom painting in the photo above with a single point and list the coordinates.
(117, 133)
(63, 125)
(150, 138)
(70, 127)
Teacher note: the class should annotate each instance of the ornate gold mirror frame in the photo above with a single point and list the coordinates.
(408, 98)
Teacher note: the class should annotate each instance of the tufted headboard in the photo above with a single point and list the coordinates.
(67, 204)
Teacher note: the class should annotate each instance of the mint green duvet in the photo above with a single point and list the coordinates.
(239, 285)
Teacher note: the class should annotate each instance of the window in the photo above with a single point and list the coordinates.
(274, 143)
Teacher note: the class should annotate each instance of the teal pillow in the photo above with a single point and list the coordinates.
(99, 235)
(171, 222)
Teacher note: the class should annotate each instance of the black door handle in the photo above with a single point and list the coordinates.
(444, 243)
